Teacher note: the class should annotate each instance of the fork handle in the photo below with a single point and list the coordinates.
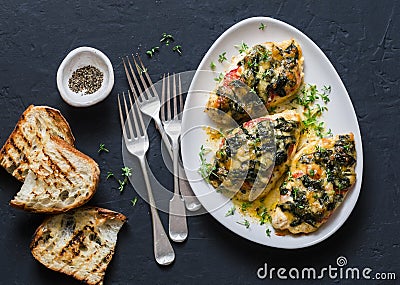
(163, 251)
(178, 230)
(164, 136)
(191, 201)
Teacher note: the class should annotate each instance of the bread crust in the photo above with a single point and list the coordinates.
(101, 211)
(7, 161)
(79, 202)
(101, 216)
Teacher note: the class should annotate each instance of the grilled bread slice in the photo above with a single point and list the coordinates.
(79, 243)
(321, 174)
(33, 123)
(59, 178)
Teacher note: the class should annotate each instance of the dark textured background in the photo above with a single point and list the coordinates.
(359, 37)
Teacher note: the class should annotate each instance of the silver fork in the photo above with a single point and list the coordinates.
(150, 104)
(178, 230)
(137, 143)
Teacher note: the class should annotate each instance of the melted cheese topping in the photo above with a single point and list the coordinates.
(319, 178)
(254, 156)
(274, 71)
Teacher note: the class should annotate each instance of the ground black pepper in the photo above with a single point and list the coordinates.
(86, 80)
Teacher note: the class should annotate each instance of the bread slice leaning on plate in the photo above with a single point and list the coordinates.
(79, 243)
(59, 178)
(35, 121)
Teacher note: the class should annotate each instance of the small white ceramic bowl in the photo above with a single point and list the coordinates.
(78, 58)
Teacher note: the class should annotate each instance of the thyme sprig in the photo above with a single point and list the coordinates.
(166, 38)
(243, 47)
(222, 57)
(152, 51)
(231, 211)
(178, 49)
(102, 147)
(205, 168)
(126, 173)
(212, 66)
(307, 98)
(245, 223)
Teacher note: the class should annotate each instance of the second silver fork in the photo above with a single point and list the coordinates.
(149, 103)
(137, 143)
(178, 230)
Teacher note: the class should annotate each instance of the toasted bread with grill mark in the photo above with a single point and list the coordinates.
(34, 123)
(59, 178)
(79, 243)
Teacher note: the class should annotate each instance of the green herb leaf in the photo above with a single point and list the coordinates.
(268, 232)
(167, 38)
(245, 205)
(243, 47)
(310, 93)
(219, 78)
(295, 190)
(126, 171)
(311, 120)
(261, 27)
(205, 167)
(133, 201)
(245, 223)
(152, 51)
(177, 48)
(231, 211)
(121, 185)
(212, 66)
(102, 147)
(222, 57)
(142, 70)
(109, 174)
(264, 215)
(326, 91)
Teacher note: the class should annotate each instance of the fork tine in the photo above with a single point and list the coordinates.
(141, 70)
(163, 101)
(141, 121)
(148, 77)
(134, 116)
(133, 90)
(175, 99)
(127, 116)
(142, 66)
(180, 94)
(121, 117)
(135, 79)
(127, 74)
(168, 99)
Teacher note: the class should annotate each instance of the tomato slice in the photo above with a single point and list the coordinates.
(231, 76)
(254, 121)
(297, 174)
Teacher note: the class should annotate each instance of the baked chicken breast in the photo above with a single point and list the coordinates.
(319, 178)
(253, 157)
(274, 71)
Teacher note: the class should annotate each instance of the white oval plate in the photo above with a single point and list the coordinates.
(340, 118)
